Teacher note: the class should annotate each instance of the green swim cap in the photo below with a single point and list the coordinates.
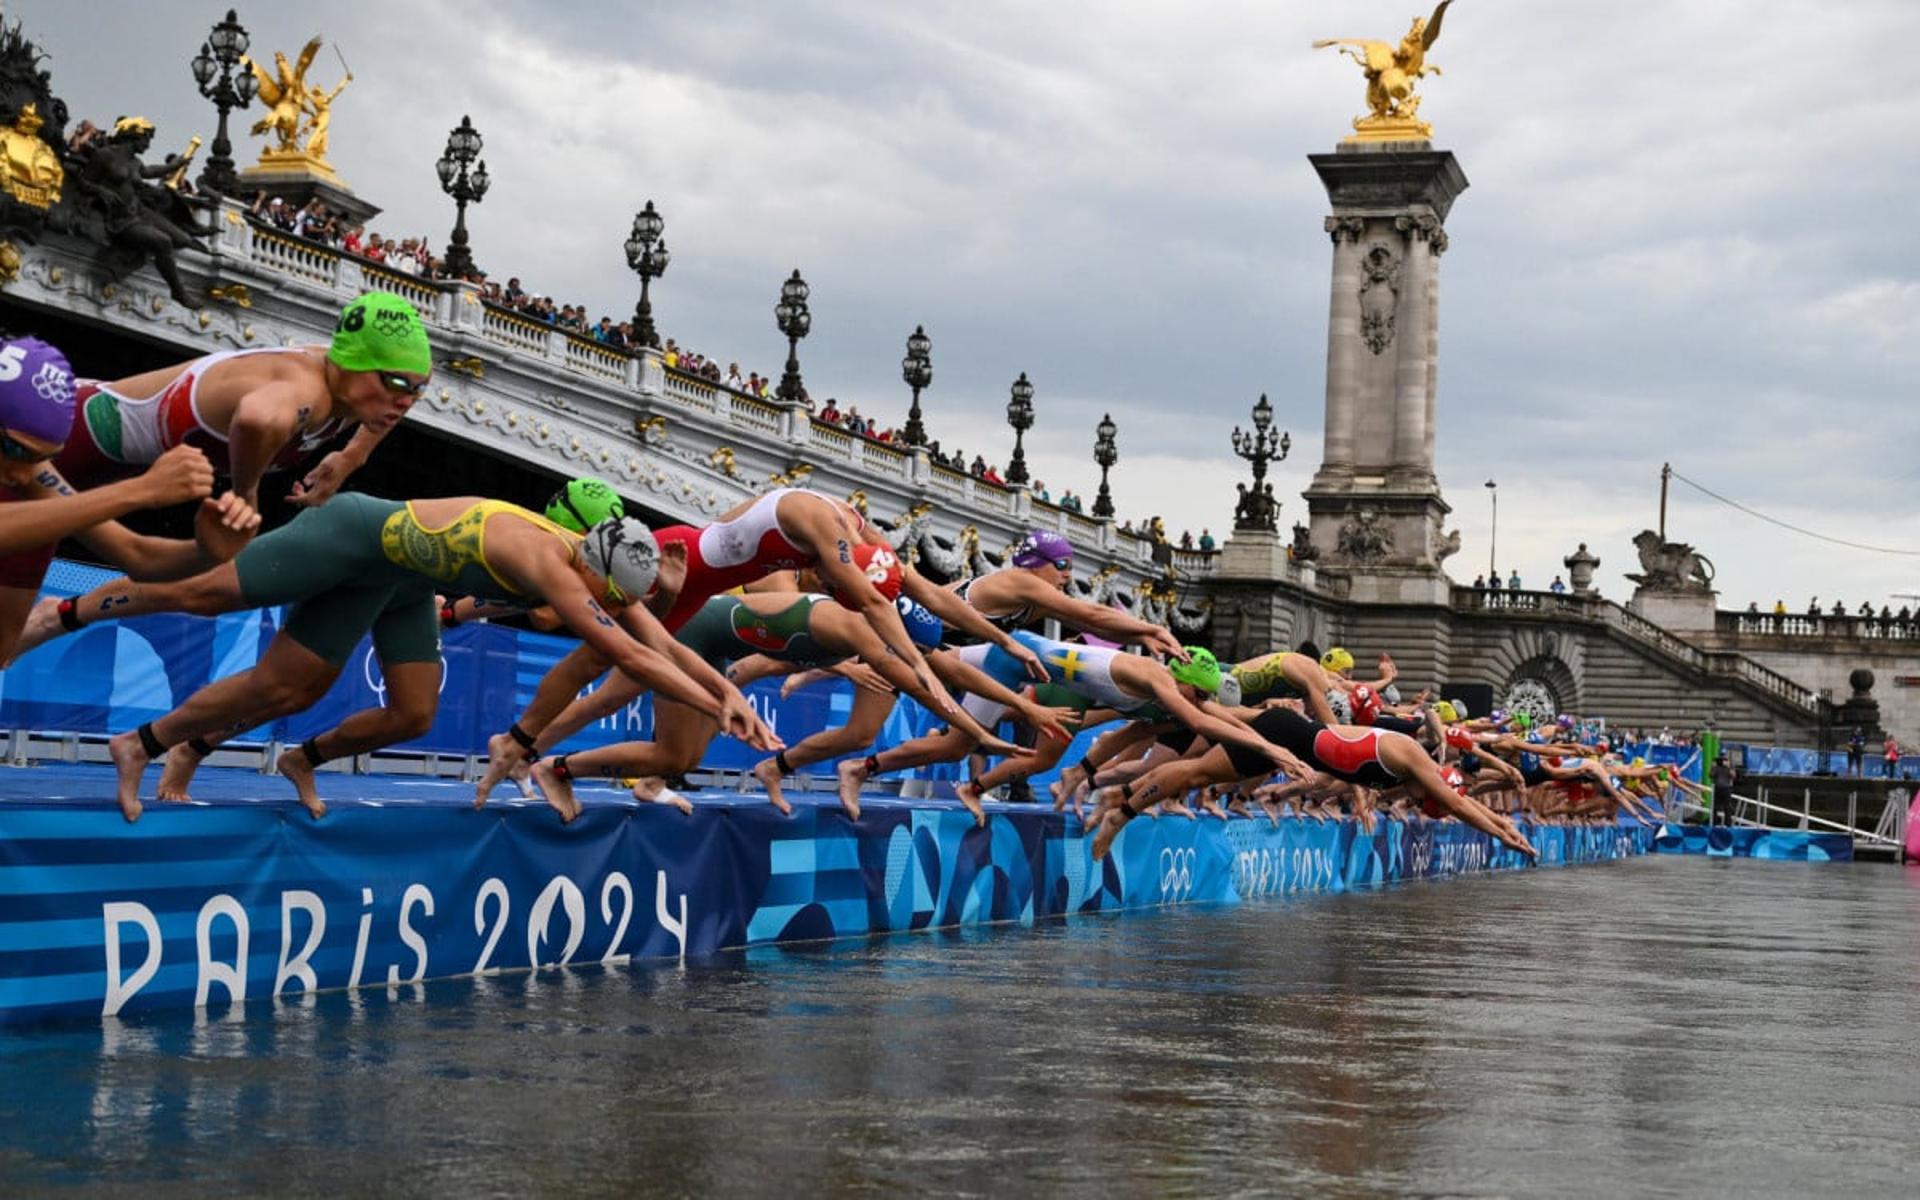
(1522, 721)
(583, 503)
(1201, 671)
(381, 332)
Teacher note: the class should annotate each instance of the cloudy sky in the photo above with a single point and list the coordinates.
(1684, 238)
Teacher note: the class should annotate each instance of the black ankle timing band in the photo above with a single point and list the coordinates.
(525, 739)
(69, 615)
(1086, 764)
(200, 746)
(872, 764)
(781, 764)
(151, 744)
(311, 748)
(560, 768)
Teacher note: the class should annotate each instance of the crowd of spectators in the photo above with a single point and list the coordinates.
(1839, 609)
(315, 222)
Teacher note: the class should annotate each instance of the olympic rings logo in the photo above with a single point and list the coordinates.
(1176, 873)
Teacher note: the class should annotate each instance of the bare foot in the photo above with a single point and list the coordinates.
(853, 773)
(651, 789)
(177, 773)
(299, 772)
(558, 792)
(505, 760)
(1210, 804)
(1273, 811)
(1111, 823)
(969, 793)
(129, 760)
(768, 773)
(1178, 807)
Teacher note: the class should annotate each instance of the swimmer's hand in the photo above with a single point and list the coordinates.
(223, 527)
(1052, 722)
(181, 474)
(737, 719)
(1161, 641)
(324, 480)
(1036, 670)
(864, 676)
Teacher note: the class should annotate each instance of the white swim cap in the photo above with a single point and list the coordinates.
(624, 550)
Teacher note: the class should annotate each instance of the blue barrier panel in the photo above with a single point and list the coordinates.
(235, 898)
(1745, 841)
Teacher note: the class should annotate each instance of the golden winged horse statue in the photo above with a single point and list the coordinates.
(284, 92)
(1391, 73)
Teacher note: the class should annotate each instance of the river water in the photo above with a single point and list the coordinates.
(1664, 1026)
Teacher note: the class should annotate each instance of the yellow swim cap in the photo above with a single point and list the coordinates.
(1337, 660)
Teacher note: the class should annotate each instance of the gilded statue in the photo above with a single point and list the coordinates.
(1393, 109)
(296, 108)
(320, 105)
(31, 170)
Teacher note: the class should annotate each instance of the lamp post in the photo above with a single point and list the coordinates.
(1106, 454)
(1020, 416)
(648, 256)
(213, 71)
(463, 147)
(1493, 542)
(916, 369)
(1257, 508)
(794, 319)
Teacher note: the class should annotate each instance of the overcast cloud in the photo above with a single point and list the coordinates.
(1687, 236)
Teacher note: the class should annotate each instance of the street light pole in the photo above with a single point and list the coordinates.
(794, 319)
(1020, 416)
(916, 370)
(213, 70)
(1257, 508)
(1105, 453)
(1493, 542)
(648, 256)
(463, 147)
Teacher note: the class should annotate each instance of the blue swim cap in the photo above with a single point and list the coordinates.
(922, 626)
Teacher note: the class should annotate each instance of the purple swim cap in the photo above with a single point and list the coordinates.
(36, 390)
(1041, 547)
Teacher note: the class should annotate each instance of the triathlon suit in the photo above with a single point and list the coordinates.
(1020, 618)
(358, 563)
(1084, 670)
(727, 628)
(115, 435)
(1262, 680)
(1352, 757)
(729, 554)
(24, 568)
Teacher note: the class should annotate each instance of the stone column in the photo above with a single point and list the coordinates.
(1375, 508)
(1343, 313)
(1412, 464)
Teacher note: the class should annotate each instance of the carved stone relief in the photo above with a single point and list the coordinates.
(1379, 296)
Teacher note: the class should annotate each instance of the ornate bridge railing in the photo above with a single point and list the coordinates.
(1681, 653)
(764, 438)
(1818, 625)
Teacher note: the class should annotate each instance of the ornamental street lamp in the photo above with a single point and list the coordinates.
(1493, 542)
(647, 254)
(794, 319)
(1020, 416)
(1106, 454)
(213, 71)
(1257, 508)
(463, 147)
(917, 370)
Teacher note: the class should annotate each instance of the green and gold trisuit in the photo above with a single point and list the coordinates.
(726, 628)
(359, 563)
(1262, 680)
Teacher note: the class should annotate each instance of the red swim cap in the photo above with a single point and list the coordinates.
(882, 568)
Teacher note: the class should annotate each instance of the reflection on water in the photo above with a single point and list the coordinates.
(1665, 1025)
